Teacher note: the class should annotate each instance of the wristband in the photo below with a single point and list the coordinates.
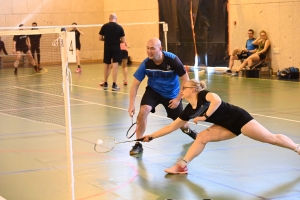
(205, 115)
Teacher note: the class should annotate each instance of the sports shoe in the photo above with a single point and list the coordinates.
(227, 58)
(101, 83)
(177, 169)
(115, 87)
(105, 86)
(235, 74)
(136, 149)
(228, 72)
(78, 70)
(190, 133)
(124, 82)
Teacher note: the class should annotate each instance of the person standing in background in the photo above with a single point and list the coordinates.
(78, 45)
(112, 34)
(2, 47)
(35, 45)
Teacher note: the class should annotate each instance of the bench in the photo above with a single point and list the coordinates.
(8, 60)
(258, 66)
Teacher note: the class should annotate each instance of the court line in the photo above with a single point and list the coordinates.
(37, 73)
(279, 118)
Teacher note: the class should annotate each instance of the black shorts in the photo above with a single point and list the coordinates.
(112, 53)
(262, 56)
(24, 49)
(152, 98)
(78, 46)
(238, 121)
(243, 56)
(124, 54)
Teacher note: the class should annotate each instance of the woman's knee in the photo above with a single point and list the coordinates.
(204, 137)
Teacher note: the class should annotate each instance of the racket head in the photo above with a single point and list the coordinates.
(107, 145)
(131, 131)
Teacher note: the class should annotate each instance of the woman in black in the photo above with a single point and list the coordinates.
(78, 45)
(228, 122)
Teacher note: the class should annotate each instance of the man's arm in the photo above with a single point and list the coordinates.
(122, 39)
(133, 91)
(184, 78)
(28, 42)
(101, 37)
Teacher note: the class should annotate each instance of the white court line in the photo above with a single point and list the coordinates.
(279, 118)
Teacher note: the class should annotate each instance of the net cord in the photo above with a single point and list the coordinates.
(65, 74)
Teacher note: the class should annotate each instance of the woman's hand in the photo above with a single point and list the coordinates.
(200, 118)
(147, 138)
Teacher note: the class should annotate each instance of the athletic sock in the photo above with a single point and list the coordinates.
(183, 163)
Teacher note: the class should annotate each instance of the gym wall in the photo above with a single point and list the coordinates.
(279, 18)
(57, 12)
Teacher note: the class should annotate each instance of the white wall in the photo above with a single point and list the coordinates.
(279, 18)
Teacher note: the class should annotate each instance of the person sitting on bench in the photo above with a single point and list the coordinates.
(242, 53)
(261, 53)
(2, 47)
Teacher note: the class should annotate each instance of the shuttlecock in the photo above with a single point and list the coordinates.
(99, 142)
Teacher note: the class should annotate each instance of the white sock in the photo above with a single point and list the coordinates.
(297, 149)
(183, 163)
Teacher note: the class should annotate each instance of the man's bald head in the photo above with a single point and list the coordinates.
(154, 42)
(112, 17)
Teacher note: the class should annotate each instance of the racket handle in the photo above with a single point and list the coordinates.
(142, 139)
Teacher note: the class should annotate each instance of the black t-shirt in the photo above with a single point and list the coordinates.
(20, 41)
(35, 40)
(77, 36)
(224, 115)
(112, 33)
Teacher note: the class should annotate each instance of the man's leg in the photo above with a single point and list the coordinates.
(31, 60)
(16, 63)
(115, 87)
(124, 66)
(105, 72)
(141, 127)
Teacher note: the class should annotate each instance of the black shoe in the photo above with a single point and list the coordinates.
(227, 58)
(105, 86)
(136, 149)
(228, 72)
(190, 133)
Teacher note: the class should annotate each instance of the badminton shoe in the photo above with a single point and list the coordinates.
(105, 86)
(235, 74)
(136, 149)
(115, 87)
(177, 169)
(228, 72)
(78, 70)
(190, 133)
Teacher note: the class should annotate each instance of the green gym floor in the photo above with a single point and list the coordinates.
(33, 155)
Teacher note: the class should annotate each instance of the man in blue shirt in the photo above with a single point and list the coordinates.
(242, 53)
(163, 70)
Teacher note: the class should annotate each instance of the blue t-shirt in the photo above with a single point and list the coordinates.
(250, 46)
(163, 78)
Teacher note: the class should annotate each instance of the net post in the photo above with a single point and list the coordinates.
(165, 29)
(65, 74)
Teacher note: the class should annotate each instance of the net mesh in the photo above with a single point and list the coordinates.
(32, 95)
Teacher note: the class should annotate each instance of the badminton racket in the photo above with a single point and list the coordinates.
(107, 144)
(203, 109)
(132, 129)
